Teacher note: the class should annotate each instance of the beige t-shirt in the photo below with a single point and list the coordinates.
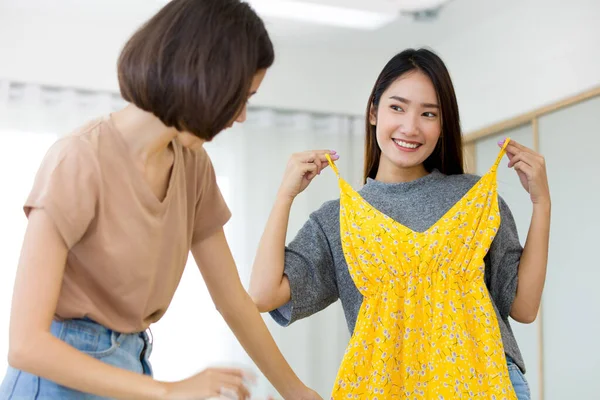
(127, 249)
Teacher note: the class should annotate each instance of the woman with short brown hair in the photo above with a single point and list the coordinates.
(116, 208)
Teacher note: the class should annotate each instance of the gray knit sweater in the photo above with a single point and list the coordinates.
(318, 273)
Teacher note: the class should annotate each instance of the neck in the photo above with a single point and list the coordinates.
(389, 173)
(145, 135)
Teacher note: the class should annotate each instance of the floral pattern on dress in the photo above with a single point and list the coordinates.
(427, 327)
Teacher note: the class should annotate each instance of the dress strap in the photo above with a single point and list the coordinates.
(502, 153)
(332, 165)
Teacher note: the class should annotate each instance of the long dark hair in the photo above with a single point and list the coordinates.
(447, 156)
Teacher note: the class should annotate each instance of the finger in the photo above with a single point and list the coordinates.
(319, 163)
(235, 372)
(514, 147)
(511, 142)
(233, 385)
(524, 167)
(514, 158)
(311, 170)
(322, 164)
(308, 159)
(309, 167)
(310, 156)
(512, 151)
(528, 158)
(248, 377)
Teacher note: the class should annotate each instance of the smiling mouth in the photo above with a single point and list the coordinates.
(407, 145)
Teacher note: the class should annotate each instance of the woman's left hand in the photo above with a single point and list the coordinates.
(531, 168)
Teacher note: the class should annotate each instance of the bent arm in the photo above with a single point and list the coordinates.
(269, 287)
(32, 348)
(532, 267)
(217, 266)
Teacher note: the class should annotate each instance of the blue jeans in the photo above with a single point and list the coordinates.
(126, 351)
(518, 380)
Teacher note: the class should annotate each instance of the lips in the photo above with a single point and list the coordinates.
(408, 145)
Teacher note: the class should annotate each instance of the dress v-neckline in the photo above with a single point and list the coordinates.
(448, 214)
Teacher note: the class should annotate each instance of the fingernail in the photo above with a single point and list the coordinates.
(335, 157)
(333, 151)
(501, 142)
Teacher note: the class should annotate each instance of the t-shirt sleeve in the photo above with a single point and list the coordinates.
(310, 269)
(66, 187)
(212, 212)
(502, 262)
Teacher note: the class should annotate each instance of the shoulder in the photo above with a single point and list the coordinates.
(466, 181)
(76, 149)
(196, 161)
(328, 211)
(329, 207)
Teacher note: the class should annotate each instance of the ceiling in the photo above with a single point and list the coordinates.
(454, 18)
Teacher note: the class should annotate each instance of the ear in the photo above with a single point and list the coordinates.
(373, 115)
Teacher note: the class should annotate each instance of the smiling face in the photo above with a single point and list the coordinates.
(408, 124)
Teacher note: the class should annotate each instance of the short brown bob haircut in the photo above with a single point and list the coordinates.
(192, 64)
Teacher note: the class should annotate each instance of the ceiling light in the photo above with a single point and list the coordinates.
(347, 16)
(357, 14)
(417, 5)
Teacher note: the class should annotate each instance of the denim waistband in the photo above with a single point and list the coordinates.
(102, 330)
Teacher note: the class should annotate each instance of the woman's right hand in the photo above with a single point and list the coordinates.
(301, 169)
(212, 383)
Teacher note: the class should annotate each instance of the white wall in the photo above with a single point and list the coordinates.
(80, 49)
(519, 60)
(571, 297)
(504, 62)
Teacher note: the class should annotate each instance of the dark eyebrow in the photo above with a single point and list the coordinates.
(406, 101)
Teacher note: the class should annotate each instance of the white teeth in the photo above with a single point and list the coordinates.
(404, 144)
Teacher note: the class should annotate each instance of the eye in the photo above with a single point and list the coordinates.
(396, 108)
(429, 114)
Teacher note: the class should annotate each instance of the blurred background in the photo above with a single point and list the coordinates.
(528, 69)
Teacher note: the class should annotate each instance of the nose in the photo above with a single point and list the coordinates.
(410, 124)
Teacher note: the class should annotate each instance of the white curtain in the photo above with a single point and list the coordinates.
(249, 160)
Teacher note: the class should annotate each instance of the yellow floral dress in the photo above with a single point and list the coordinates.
(427, 327)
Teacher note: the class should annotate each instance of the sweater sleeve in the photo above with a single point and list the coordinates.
(502, 262)
(310, 269)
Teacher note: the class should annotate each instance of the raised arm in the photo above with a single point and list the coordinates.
(269, 286)
(531, 168)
